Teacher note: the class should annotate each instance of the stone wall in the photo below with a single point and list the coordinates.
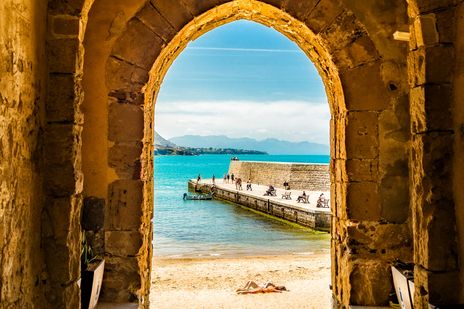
(23, 83)
(313, 177)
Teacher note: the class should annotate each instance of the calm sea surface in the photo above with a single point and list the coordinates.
(213, 228)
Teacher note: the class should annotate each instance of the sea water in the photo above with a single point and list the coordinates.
(215, 228)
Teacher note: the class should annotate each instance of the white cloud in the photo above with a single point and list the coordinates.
(288, 120)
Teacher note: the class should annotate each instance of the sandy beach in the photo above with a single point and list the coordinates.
(211, 283)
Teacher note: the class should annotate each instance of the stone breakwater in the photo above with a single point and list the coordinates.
(301, 176)
(307, 215)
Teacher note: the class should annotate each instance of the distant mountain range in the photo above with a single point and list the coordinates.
(160, 141)
(165, 147)
(270, 145)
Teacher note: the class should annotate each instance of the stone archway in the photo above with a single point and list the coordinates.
(43, 141)
(370, 126)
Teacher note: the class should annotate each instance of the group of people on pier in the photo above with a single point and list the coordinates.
(322, 201)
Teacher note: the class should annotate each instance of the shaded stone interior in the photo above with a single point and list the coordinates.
(78, 85)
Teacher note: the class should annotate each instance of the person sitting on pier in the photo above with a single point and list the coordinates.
(271, 191)
(248, 187)
(302, 198)
(322, 201)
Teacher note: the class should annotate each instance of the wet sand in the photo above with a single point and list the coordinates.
(211, 283)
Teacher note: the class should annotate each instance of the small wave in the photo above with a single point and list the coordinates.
(303, 253)
(215, 254)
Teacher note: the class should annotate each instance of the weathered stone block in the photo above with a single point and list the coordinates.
(147, 42)
(416, 67)
(385, 241)
(426, 65)
(125, 280)
(362, 135)
(371, 283)
(177, 15)
(426, 30)
(323, 15)
(363, 201)
(62, 55)
(394, 196)
(155, 21)
(445, 25)
(275, 3)
(123, 243)
(435, 288)
(435, 249)
(71, 7)
(437, 70)
(93, 214)
(360, 51)
(61, 98)
(125, 159)
(394, 139)
(357, 96)
(433, 5)
(431, 108)
(62, 145)
(431, 155)
(300, 9)
(125, 123)
(62, 239)
(340, 200)
(125, 82)
(362, 170)
(198, 7)
(124, 205)
(66, 25)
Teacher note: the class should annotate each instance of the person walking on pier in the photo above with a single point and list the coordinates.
(228, 177)
(232, 177)
(248, 187)
(224, 179)
(214, 180)
(286, 185)
(238, 184)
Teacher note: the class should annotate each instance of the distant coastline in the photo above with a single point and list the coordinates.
(190, 151)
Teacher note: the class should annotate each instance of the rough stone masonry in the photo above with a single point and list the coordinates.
(78, 86)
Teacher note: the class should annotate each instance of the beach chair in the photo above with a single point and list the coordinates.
(325, 204)
(287, 195)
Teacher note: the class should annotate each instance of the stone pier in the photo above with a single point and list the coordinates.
(304, 214)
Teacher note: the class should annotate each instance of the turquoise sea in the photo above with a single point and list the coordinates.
(214, 228)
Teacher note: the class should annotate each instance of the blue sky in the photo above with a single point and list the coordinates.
(243, 80)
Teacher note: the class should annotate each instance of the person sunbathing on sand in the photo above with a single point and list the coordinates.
(252, 288)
